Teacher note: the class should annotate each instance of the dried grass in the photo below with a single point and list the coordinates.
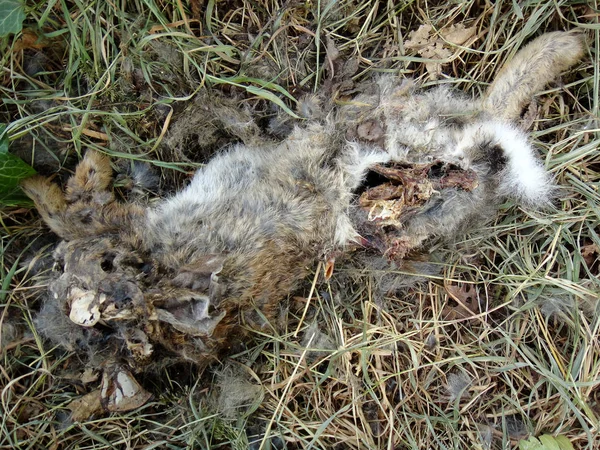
(419, 370)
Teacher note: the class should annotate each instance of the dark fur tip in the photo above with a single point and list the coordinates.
(497, 159)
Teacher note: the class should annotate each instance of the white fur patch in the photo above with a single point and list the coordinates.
(357, 160)
(524, 177)
(344, 231)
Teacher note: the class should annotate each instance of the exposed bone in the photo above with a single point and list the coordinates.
(85, 310)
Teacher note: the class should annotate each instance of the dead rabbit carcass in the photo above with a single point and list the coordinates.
(183, 280)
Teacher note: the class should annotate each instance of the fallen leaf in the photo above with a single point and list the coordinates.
(431, 45)
(546, 442)
(590, 253)
(29, 39)
(458, 34)
(467, 305)
(89, 375)
(85, 407)
(86, 376)
(419, 38)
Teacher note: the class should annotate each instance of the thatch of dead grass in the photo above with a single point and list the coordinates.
(502, 345)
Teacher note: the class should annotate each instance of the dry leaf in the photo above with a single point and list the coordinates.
(85, 376)
(436, 51)
(419, 38)
(590, 253)
(89, 375)
(85, 407)
(467, 305)
(29, 39)
(589, 250)
(458, 34)
(429, 45)
(121, 392)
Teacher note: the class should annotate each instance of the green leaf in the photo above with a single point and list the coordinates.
(3, 138)
(259, 91)
(517, 10)
(530, 444)
(564, 443)
(12, 15)
(12, 171)
(263, 84)
(548, 442)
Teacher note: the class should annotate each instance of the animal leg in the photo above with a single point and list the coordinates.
(91, 180)
(49, 201)
(88, 207)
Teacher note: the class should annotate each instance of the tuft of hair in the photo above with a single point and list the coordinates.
(143, 178)
(486, 434)
(564, 306)
(524, 177)
(458, 384)
(10, 331)
(317, 343)
(54, 325)
(310, 107)
(239, 393)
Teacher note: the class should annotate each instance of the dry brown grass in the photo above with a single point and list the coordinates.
(416, 370)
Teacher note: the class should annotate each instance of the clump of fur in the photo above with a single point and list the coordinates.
(184, 280)
(458, 384)
(316, 343)
(238, 391)
(207, 125)
(10, 330)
